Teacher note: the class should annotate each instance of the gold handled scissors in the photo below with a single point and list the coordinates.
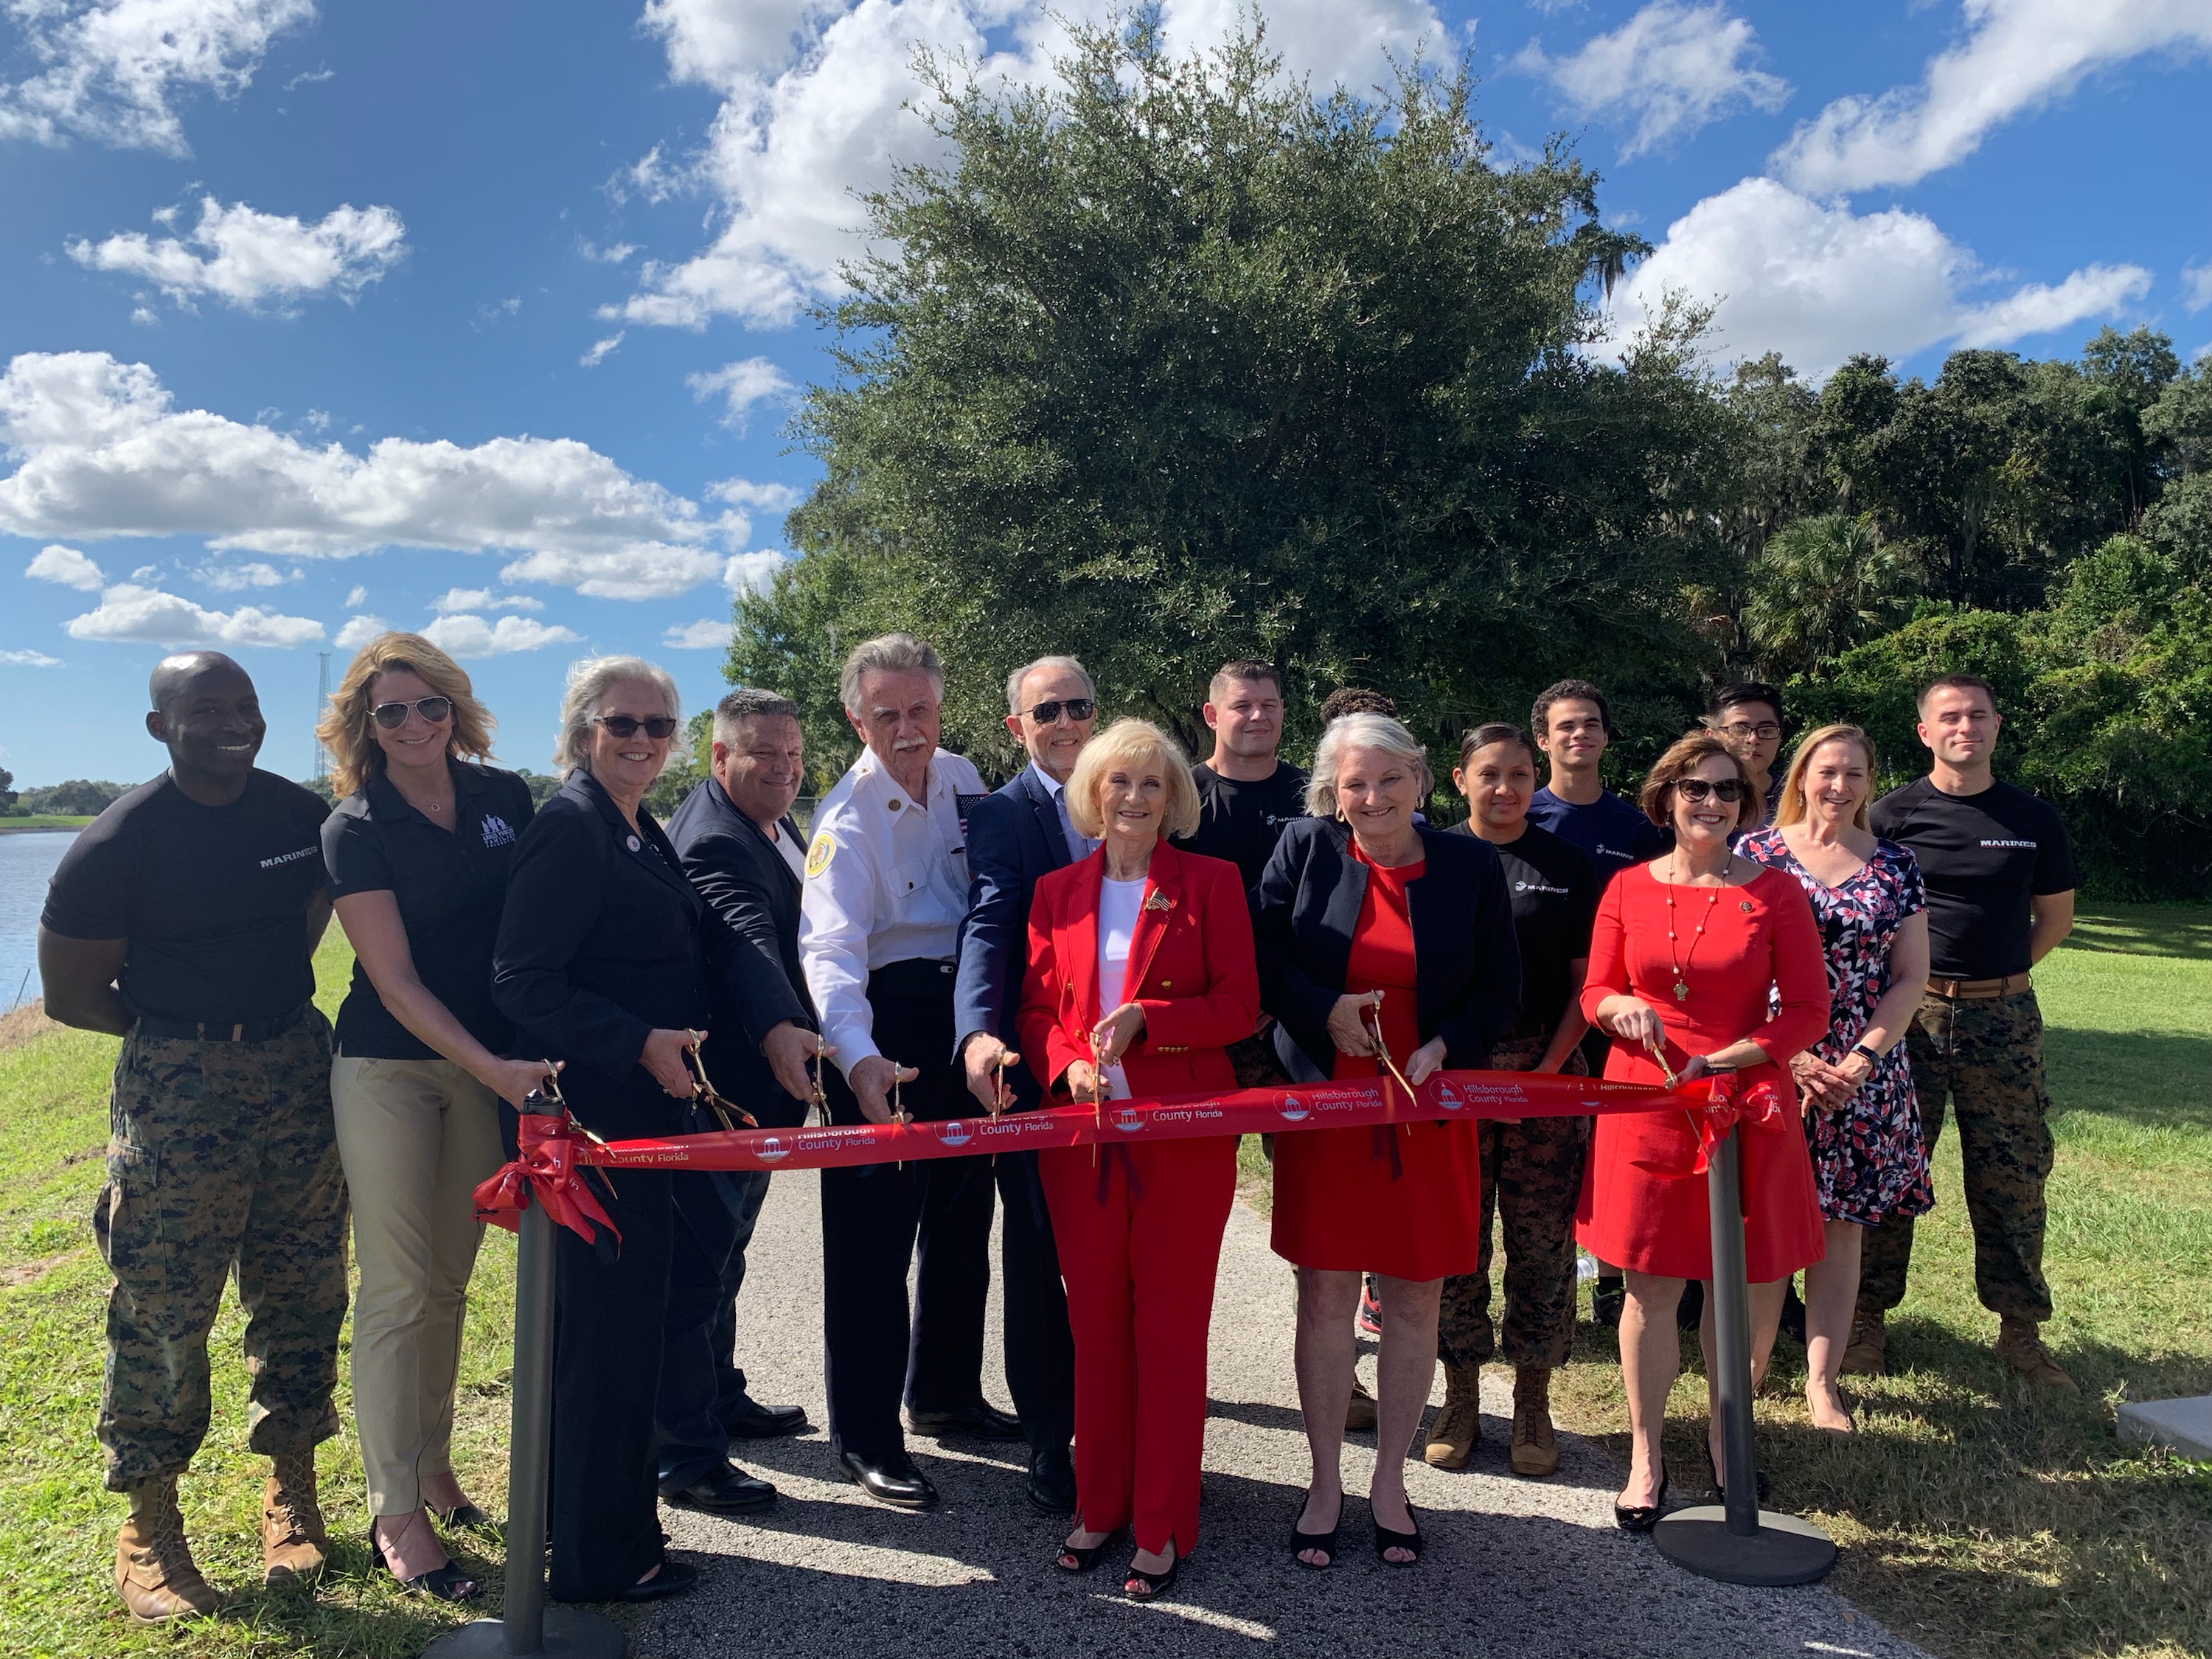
(703, 1092)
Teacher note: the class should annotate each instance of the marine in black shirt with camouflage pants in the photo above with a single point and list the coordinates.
(2001, 885)
(185, 920)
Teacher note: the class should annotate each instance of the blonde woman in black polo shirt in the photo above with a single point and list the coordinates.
(419, 851)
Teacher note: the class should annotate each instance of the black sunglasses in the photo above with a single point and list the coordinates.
(1727, 791)
(1079, 708)
(393, 715)
(657, 727)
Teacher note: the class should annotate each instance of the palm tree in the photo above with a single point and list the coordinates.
(1818, 587)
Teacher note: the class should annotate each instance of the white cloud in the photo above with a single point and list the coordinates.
(65, 565)
(2196, 287)
(743, 492)
(2017, 55)
(479, 598)
(752, 573)
(237, 577)
(1819, 283)
(251, 259)
(103, 453)
(112, 67)
(1669, 70)
(814, 111)
(359, 631)
(29, 659)
(613, 254)
(600, 349)
(472, 636)
(705, 634)
(147, 615)
(740, 386)
(356, 597)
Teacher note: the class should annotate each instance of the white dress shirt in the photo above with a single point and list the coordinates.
(886, 881)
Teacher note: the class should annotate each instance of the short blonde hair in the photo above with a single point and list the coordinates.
(1683, 757)
(1361, 731)
(589, 681)
(343, 730)
(1793, 806)
(1131, 742)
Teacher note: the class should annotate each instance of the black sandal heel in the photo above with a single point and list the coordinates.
(447, 1584)
(1640, 1518)
(1160, 1583)
(1068, 1558)
(1315, 1541)
(1387, 1540)
(468, 1516)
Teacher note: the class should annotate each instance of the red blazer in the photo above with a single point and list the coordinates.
(1191, 961)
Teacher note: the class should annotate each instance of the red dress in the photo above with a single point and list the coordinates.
(1641, 1207)
(1403, 1200)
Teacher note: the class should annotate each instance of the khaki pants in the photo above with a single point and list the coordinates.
(416, 1136)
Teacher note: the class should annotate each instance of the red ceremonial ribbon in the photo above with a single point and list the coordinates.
(554, 1152)
(1758, 1107)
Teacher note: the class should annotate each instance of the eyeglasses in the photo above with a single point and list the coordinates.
(1077, 708)
(1763, 731)
(657, 727)
(393, 715)
(1727, 791)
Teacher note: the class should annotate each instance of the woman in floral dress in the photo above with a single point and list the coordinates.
(1861, 1118)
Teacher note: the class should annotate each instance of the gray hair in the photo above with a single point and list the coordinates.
(887, 654)
(1361, 732)
(747, 703)
(589, 681)
(1058, 665)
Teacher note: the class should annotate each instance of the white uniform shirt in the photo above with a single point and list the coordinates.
(886, 881)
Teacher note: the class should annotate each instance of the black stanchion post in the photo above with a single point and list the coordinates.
(1735, 1541)
(530, 1628)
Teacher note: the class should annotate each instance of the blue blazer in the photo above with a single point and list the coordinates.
(1013, 838)
(1466, 959)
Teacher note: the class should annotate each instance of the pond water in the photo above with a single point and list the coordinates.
(27, 858)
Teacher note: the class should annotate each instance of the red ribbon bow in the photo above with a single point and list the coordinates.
(545, 1167)
(1758, 1107)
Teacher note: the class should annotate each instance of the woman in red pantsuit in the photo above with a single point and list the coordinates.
(1682, 959)
(1140, 973)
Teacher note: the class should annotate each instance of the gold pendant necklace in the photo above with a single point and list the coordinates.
(1680, 960)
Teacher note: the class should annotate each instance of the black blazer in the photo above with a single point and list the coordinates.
(602, 941)
(1013, 837)
(1467, 961)
(755, 892)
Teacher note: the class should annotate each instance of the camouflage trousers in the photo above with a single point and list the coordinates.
(222, 1158)
(1532, 1175)
(1984, 1055)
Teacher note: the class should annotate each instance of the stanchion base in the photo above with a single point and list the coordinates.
(570, 1634)
(1784, 1550)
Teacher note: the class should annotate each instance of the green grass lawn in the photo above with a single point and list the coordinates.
(42, 821)
(1976, 1519)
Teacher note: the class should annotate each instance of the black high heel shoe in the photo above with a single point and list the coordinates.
(1156, 1584)
(448, 1583)
(466, 1516)
(1642, 1518)
(1386, 1540)
(1759, 1481)
(1068, 1558)
(1315, 1541)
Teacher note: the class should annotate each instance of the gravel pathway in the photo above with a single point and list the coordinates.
(1513, 1567)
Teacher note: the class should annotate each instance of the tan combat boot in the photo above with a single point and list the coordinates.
(294, 1545)
(1458, 1427)
(1535, 1449)
(154, 1572)
(2020, 1347)
(1359, 1413)
(1867, 1353)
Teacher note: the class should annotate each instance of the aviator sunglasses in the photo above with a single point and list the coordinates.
(657, 727)
(1077, 708)
(393, 715)
(1727, 791)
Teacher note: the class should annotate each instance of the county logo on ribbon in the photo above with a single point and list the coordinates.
(954, 1133)
(772, 1149)
(1292, 1110)
(1127, 1120)
(1448, 1098)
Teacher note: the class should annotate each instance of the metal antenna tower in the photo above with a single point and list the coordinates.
(322, 701)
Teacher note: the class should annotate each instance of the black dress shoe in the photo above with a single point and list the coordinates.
(748, 1419)
(889, 1479)
(726, 1490)
(981, 1421)
(674, 1579)
(1052, 1481)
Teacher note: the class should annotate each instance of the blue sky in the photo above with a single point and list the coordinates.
(485, 318)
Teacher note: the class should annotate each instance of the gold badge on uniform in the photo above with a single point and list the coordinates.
(819, 854)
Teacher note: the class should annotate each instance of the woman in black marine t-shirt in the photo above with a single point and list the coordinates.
(418, 852)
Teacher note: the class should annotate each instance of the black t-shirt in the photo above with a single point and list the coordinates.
(1555, 889)
(1612, 833)
(1982, 857)
(213, 900)
(449, 887)
(1242, 822)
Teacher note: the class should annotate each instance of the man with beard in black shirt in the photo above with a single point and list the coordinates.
(2001, 880)
(185, 920)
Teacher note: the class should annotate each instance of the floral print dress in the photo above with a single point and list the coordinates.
(1868, 1159)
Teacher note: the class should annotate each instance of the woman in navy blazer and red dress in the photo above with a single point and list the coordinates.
(1140, 975)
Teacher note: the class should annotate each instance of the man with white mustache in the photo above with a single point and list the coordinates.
(880, 919)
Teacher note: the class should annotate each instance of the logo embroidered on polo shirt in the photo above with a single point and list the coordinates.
(819, 854)
(284, 859)
(2030, 845)
(497, 831)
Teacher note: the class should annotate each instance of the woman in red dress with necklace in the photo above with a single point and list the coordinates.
(1682, 959)
(1361, 915)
